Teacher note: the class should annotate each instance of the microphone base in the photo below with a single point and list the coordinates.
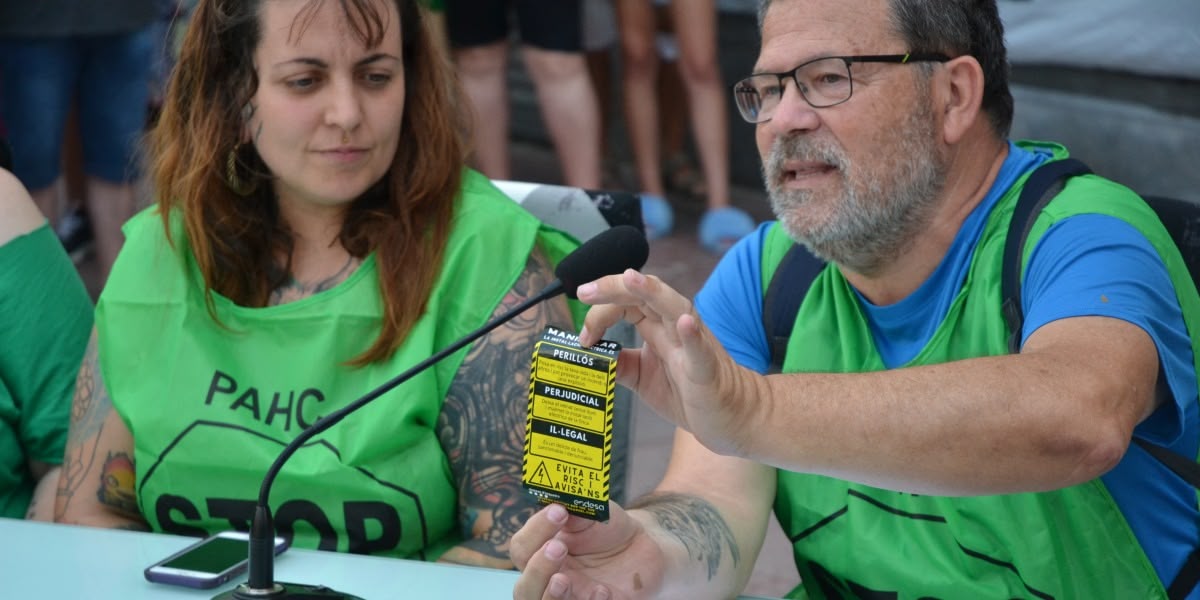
(292, 591)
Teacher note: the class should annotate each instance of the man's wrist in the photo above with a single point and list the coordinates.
(697, 548)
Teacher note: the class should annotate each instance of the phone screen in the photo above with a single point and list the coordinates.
(214, 556)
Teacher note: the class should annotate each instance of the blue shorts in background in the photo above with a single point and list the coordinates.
(109, 77)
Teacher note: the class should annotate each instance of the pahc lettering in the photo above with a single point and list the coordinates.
(285, 406)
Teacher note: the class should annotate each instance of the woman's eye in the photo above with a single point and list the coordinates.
(302, 83)
(378, 79)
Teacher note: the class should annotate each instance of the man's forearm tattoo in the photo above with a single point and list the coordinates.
(696, 523)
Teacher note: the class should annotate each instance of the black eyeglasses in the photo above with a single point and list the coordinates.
(822, 82)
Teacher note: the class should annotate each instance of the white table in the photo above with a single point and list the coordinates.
(64, 562)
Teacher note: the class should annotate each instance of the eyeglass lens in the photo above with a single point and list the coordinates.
(822, 82)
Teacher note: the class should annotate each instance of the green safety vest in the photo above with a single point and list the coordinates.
(210, 405)
(850, 540)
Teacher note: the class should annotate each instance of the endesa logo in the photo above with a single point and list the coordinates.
(590, 505)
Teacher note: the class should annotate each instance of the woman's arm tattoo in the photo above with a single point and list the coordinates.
(113, 474)
(89, 408)
(482, 423)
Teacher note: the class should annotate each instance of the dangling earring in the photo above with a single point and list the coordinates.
(239, 187)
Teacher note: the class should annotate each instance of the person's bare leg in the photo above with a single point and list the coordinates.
(672, 97)
(46, 200)
(672, 103)
(696, 32)
(109, 205)
(599, 66)
(570, 111)
(483, 72)
(639, 83)
(599, 63)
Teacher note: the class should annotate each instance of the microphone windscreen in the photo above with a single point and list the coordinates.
(608, 253)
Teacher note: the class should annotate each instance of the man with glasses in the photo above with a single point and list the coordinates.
(905, 453)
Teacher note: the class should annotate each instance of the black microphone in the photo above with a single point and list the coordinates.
(608, 253)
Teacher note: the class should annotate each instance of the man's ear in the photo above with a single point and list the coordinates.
(961, 94)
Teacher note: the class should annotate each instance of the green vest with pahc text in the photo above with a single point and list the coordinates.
(852, 540)
(211, 405)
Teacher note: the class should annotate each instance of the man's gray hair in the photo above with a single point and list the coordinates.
(955, 28)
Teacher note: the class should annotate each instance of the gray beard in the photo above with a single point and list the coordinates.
(881, 210)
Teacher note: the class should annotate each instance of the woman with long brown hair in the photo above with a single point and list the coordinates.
(316, 233)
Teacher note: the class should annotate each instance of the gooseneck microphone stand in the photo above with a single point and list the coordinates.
(608, 253)
(261, 584)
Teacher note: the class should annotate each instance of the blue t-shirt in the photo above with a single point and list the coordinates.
(1086, 265)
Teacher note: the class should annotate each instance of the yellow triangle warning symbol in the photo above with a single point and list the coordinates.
(541, 475)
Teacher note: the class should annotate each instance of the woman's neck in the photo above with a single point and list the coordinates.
(318, 260)
(300, 286)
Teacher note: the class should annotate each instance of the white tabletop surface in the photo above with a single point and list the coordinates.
(49, 561)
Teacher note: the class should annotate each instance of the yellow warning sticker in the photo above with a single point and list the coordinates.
(568, 432)
(571, 375)
(563, 405)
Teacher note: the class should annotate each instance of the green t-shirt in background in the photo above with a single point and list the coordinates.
(45, 320)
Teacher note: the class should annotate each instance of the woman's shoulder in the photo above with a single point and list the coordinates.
(18, 214)
(150, 263)
(481, 200)
(147, 228)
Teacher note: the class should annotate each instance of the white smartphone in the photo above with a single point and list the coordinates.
(207, 563)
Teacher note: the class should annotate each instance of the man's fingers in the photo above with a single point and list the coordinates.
(645, 301)
(599, 318)
(540, 578)
(703, 359)
(542, 526)
(632, 288)
(656, 297)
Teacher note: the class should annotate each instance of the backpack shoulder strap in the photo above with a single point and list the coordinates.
(786, 290)
(1181, 219)
(1043, 185)
(1188, 470)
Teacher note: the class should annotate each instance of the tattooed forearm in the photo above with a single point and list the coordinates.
(696, 523)
(97, 484)
(89, 408)
(117, 484)
(482, 423)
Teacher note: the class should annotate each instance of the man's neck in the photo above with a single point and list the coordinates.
(970, 173)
